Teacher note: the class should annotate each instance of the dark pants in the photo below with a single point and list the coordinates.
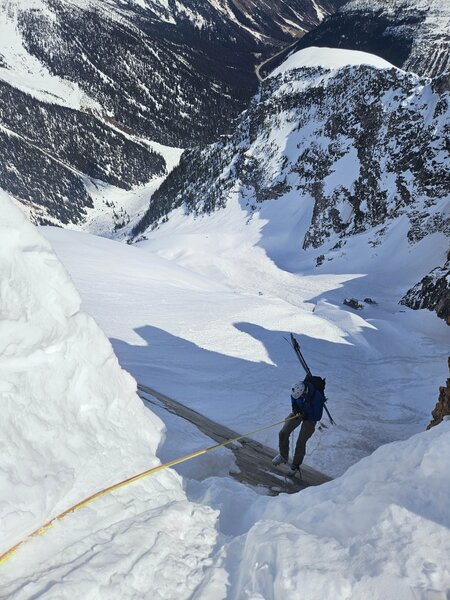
(306, 431)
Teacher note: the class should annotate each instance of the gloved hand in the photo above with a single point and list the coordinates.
(297, 413)
(295, 409)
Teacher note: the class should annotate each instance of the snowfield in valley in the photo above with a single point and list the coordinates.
(203, 320)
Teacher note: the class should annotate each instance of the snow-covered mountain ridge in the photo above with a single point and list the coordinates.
(85, 85)
(358, 148)
(412, 34)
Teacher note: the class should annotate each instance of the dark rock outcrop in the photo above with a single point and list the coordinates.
(353, 303)
(432, 292)
(442, 408)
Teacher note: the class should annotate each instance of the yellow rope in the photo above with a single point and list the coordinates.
(44, 528)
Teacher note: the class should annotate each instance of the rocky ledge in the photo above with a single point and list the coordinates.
(432, 292)
(442, 408)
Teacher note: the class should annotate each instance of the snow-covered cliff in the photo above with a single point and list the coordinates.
(72, 424)
(379, 531)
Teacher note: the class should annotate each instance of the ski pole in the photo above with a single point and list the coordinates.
(329, 416)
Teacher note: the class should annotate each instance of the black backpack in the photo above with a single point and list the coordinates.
(318, 382)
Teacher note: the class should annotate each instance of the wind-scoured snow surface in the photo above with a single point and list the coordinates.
(72, 424)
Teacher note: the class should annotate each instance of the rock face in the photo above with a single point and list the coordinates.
(432, 292)
(412, 34)
(442, 408)
(85, 84)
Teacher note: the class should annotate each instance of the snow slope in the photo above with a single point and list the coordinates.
(199, 312)
(115, 210)
(345, 157)
(26, 72)
(71, 420)
(72, 424)
(330, 59)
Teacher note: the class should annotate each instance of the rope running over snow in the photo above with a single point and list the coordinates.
(44, 528)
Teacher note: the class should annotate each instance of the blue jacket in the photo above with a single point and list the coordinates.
(310, 404)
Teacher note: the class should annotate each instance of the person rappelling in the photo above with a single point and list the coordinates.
(307, 402)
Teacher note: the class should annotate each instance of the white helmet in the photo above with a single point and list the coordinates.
(298, 389)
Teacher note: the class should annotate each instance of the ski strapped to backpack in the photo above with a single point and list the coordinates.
(318, 382)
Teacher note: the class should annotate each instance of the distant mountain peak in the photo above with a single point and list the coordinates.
(329, 59)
